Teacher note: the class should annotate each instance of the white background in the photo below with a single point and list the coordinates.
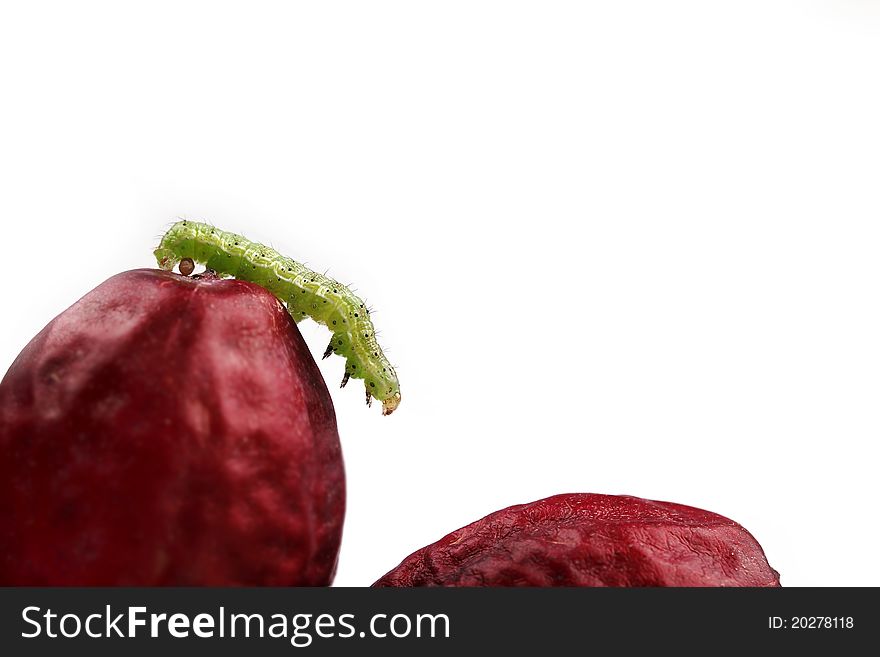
(616, 247)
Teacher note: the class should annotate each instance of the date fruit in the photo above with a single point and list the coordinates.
(168, 430)
(591, 540)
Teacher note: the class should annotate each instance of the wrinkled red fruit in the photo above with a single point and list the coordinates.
(166, 430)
(591, 540)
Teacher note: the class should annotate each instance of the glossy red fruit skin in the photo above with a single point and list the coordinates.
(167, 430)
(583, 539)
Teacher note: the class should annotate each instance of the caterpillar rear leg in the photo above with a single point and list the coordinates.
(345, 378)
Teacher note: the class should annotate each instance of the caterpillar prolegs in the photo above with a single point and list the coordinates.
(305, 293)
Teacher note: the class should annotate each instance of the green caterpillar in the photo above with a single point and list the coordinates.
(305, 293)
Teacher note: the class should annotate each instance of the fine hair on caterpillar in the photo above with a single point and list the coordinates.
(304, 292)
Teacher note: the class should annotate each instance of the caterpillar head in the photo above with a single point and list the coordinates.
(176, 243)
(390, 404)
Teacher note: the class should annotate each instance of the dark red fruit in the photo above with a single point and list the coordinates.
(591, 540)
(167, 430)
